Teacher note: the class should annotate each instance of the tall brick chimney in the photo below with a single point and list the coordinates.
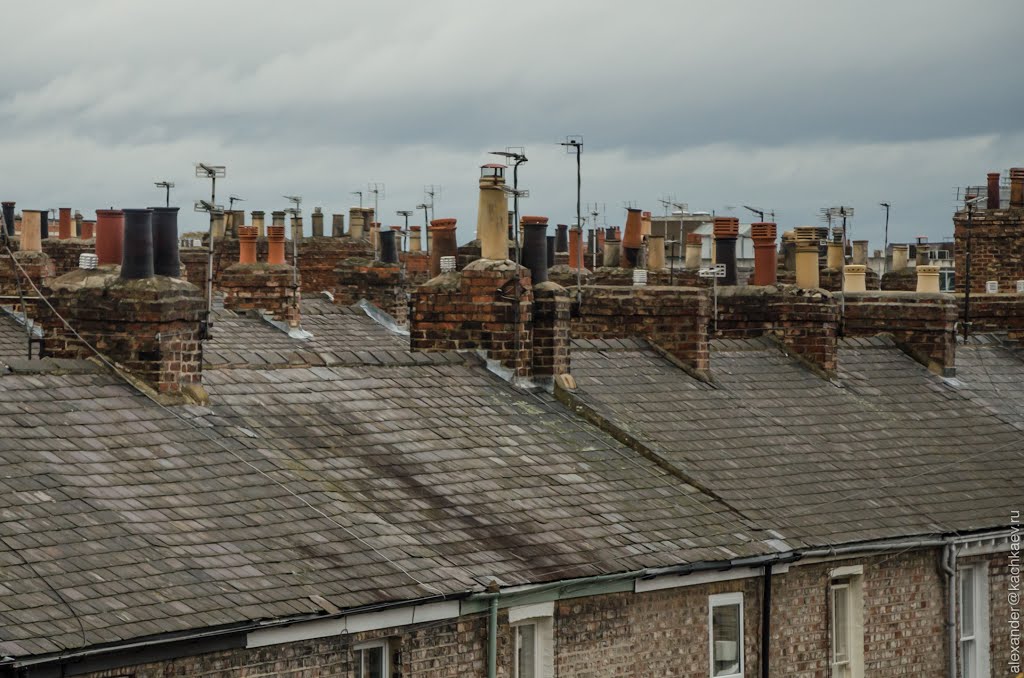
(109, 236)
(1017, 187)
(632, 241)
(765, 254)
(64, 223)
(694, 251)
(655, 252)
(318, 222)
(444, 243)
(854, 278)
(900, 256)
(727, 230)
(992, 193)
(807, 257)
(148, 325)
(268, 287)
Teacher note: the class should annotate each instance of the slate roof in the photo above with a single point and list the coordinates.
(306, 481)
(887, 449)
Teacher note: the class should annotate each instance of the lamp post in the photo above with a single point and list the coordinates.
(574, 144)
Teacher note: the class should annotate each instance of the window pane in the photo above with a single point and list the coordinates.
(526, 658)
(374, 662)
(967, 659)
(726, 636)
(840, 624)
(967, 604)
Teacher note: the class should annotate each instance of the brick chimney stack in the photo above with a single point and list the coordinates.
(765, 254)
(807, 257)
(992, 193)
(727, 230)
(267, 287)
(148, 325)
(1017, 187)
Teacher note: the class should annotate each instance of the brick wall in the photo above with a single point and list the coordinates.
(263, 287)
(900, 281)
(922, 324)
(64, 253)
(475, 309)
(805, 321)
(377, 282)
(319, 257)
(996, 313)
(551, 317)
(674, 318)
(997, 248)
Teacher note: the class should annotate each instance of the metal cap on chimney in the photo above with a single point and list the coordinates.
(137, 255)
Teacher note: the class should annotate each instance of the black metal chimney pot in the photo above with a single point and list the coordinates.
(165, 242)
(388, 248)
(9, 217)
(551, 251)
(562, 238)
(535, 251)
(137, 255)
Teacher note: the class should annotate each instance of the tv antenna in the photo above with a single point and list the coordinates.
(211, 172)
(232, 199)
(167, 186)
(433, 190)
(297, 200)
(378, 193)
(360, 194)
(629, 204)
(754, 210)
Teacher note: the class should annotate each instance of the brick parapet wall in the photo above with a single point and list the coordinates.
(379, 283)
(832, 280)
(805, 321)
(674, 318)
(36, 266)
(552, 309)
(319, 257)
(900, 281)
(995, 313)
(263, 287)
(923, 325)
(997, 248)
(150, 326)
(475, 309)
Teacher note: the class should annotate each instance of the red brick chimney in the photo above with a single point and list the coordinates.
(88, 229)
(576, 247)
(268, 287)
(443, 243)
(64, 223)
(633, 240)
(992, 193)
(765, 253)
(148, 325)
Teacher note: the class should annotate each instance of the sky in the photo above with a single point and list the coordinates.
(790, 105)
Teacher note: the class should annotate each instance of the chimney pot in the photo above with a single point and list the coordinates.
(727, 230)
(31, 230)
(296, 228)
(807, 243)
(853, 278)
(612, 252)
(1017, 187)
(992, 192)
(337, 225)
(88, 229)
(217, 224)
(318, 223)
(765, 254)
(137, 253)
(64, 223)
(492, 214)
(552, 240)
(535, 247)
(655, 252)
(275, 244)
(247, 244)
(561, 238)
(576, 247)
(388, 247)
(109, 236)
(694, 251)
(8, 210)
(860, 252)
(259, 223)
(443, 243)
(165, 242)
(900, 257)
(415, 239)
(928, 279)
(277, 218)
(632, 241)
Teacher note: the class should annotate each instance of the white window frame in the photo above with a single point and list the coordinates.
(981, 639)
(541, 617)
(725, 600)
(385, 648)
(851, 578)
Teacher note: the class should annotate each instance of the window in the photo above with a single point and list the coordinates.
(846, 622)
(533, 634)
(974, 622)
(725, 627)
(375, 660)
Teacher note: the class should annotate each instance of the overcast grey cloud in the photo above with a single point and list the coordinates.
(789, 104)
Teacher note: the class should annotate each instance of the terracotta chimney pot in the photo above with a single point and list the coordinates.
(109, 236)
(992, 194)
(633, 239)
(1017, 187)
(576, 247)
(64, 223)
(247, 244)
(443, 245)
(275, 244)
(88, 229)
(727, 230)
(765, 254)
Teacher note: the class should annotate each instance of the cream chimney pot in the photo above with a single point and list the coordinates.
(900, 253)
(807, 258)
(655, 252)
(694, 251)
(492, 214)
(853, 278)
(928, 279)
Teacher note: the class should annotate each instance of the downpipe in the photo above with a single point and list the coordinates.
(949, 569)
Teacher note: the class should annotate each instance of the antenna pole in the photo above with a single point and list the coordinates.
(967, 272)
